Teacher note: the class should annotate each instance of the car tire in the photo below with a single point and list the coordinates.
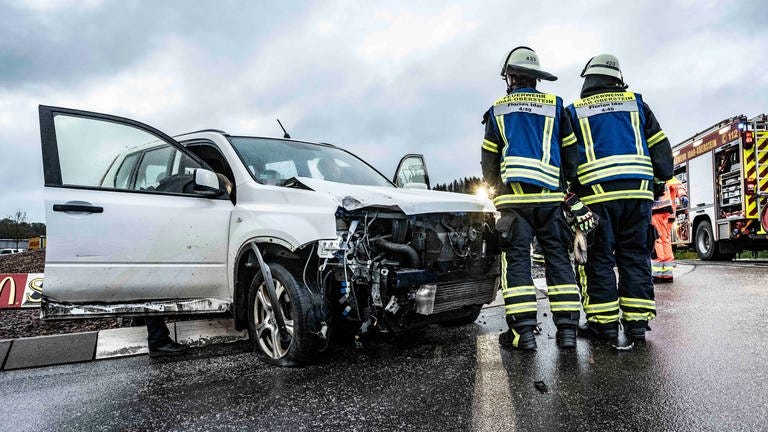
(468, 318)
(299, 314)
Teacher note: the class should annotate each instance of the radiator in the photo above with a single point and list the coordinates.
(454, 295)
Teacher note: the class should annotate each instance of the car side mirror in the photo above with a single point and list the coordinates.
(207, 183)
(412, 173)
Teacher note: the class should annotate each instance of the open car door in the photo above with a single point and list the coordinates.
(412, 173)
(130, 229)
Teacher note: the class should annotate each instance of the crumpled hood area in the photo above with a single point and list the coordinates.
(409, 201)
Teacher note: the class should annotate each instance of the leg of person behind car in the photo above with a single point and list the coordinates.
(662, 263)
(159, 340)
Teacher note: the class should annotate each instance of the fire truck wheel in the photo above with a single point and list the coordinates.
(706, 246)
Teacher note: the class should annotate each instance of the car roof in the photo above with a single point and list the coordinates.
(219, 131)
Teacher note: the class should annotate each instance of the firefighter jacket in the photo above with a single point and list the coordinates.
(620, 146)
(667, 203)
(525, 132)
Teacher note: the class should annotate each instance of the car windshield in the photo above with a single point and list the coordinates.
(273, 161)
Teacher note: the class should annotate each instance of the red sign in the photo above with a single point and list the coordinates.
(20, 290)
(12, 290)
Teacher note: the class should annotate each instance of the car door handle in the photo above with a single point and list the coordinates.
(77, 208)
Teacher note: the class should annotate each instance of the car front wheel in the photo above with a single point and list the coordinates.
(469, 317)
(295, 306)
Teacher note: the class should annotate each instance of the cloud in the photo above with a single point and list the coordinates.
(379, 80)
(403, 36)
(57, 5)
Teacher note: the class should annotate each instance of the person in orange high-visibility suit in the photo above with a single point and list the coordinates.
(663, 218)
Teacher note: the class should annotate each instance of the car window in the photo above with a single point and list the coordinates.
(87, 148)
(411, 171)
(273, 161)
(155, 166)
(166, 169)
(123, 176)
(278, 170)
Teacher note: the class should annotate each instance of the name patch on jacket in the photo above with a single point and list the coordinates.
(606, 103)
(531, 103)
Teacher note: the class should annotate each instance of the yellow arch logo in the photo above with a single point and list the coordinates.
(12, 295)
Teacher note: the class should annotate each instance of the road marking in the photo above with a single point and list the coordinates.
(492, 407)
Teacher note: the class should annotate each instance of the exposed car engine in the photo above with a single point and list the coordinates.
(388, 271)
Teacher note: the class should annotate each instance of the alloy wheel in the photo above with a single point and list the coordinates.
(267, 332)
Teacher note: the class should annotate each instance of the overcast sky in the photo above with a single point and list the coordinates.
(378, 78)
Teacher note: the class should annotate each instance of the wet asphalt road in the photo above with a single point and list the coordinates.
(704, 368)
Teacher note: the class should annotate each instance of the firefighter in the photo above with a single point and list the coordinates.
(663, 219)
(525, 132)
(620, 149)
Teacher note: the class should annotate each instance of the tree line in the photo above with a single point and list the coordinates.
(466, 185)
(16, 227)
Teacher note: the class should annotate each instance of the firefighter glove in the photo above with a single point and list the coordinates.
(658, 190)
(584, 219)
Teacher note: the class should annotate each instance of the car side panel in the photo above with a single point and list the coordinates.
(288, 217)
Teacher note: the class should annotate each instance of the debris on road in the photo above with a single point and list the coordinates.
(624, 347)
(541, 386)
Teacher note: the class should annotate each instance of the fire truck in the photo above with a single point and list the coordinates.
(725, 171)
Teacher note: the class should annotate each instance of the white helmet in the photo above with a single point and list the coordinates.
(524, 61)
(603, 64)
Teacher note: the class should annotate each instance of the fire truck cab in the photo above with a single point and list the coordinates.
(725, 170)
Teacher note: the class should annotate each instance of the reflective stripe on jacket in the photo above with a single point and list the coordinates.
(612, 143)
(528, 123)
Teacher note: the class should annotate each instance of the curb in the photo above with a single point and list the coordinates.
(51, 350)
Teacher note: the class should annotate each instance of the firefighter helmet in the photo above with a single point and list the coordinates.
(524, 61)
(603, 64)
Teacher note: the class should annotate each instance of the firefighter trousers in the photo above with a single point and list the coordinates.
(624, 238)
(664, 261)
(546, 223)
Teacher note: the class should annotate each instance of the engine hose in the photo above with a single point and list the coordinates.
(400, 249)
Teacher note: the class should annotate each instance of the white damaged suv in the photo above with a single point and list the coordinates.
(292, 238)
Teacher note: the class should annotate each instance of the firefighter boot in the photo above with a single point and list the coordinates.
(520, 338)
(635, 330)
(566, 336)
(607, 332)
